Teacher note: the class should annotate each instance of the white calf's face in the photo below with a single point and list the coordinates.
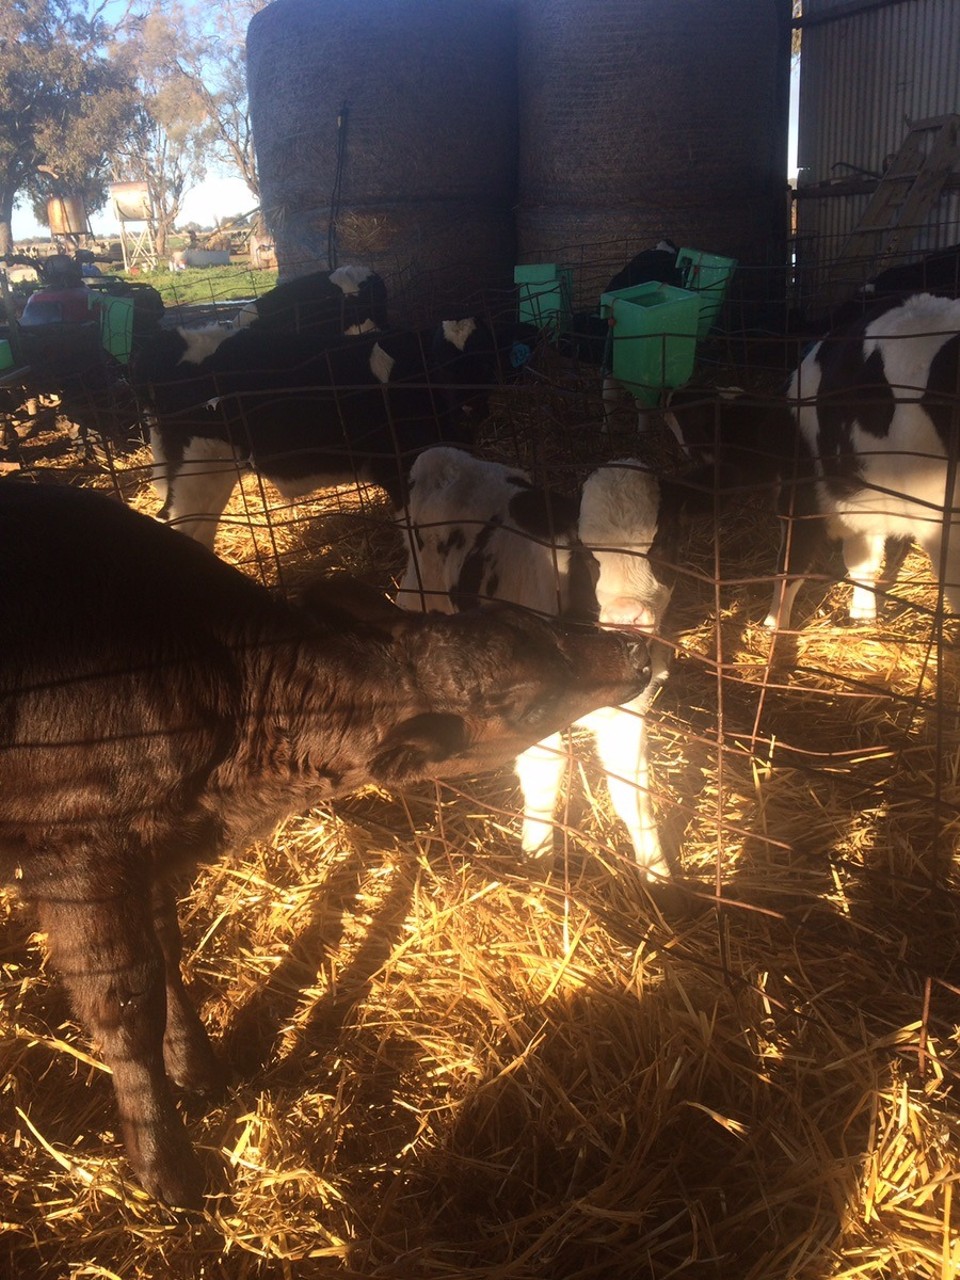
(458, 332)
(348, 279)
(619, 517)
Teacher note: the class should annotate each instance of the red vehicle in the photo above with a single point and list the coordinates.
(59, 327)
(62, 329)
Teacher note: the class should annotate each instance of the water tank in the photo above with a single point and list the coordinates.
(386, 134)
(131, 201)
(67, 216)
(641, 119)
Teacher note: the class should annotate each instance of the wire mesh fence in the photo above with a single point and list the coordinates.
(448, 1061)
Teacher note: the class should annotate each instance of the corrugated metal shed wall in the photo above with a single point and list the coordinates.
(862, 77)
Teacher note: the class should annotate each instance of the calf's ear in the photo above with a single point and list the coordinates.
(412, 747)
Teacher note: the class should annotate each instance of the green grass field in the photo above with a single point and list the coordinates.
(197, 285)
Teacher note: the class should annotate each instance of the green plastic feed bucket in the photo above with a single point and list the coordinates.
(116, 324)
(708, 275)
(654, 337)
(546, 295)
(6, 356)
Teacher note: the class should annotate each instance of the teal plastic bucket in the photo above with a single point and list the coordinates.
(653, 337)
(545, 295)
(116, 323)
(708, 275)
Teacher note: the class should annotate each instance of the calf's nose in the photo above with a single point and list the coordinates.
(628, 611)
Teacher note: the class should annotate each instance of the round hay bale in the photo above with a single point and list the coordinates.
(386, 133)
(640, 120)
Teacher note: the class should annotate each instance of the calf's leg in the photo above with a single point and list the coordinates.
(187, 1053)
(621, 737)
(102, 940)
(896, 549)
(540, 769)
(863, 558)
(196, 489)
(620, 411)
(803, 532)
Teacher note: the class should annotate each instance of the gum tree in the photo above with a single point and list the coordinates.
(64, 103)
(213, 62)
(168, 145)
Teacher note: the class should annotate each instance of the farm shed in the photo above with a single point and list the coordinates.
(445, 1064)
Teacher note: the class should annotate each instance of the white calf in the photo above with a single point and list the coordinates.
(479, 531)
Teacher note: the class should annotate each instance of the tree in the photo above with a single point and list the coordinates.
(168, 145)
(214, 64)
(64, 102)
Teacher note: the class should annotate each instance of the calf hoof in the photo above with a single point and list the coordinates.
(176, 1191)
(162, 1157)
(191, 1064)
(205, 1079)
(655, 869)
(541, 861)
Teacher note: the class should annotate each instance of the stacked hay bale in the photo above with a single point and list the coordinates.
(386, 133)
(644, 120)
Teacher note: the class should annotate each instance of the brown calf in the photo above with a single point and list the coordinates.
(158, 708)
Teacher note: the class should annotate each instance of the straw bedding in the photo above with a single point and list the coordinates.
(446, 1067)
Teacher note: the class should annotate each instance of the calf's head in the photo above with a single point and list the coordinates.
(476, 356)
(630, 532)
(493, 681)
(480, 686)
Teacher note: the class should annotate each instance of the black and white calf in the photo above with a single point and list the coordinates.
(658, 263)
(877, 406)
(307, 415)
(936, 272)
(349, 300)
(480, 531)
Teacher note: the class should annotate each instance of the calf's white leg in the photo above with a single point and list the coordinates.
(540, 770)
(196, 490)
(621, 737)
(863, 558)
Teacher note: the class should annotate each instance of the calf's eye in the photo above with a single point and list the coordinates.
(536, 713)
